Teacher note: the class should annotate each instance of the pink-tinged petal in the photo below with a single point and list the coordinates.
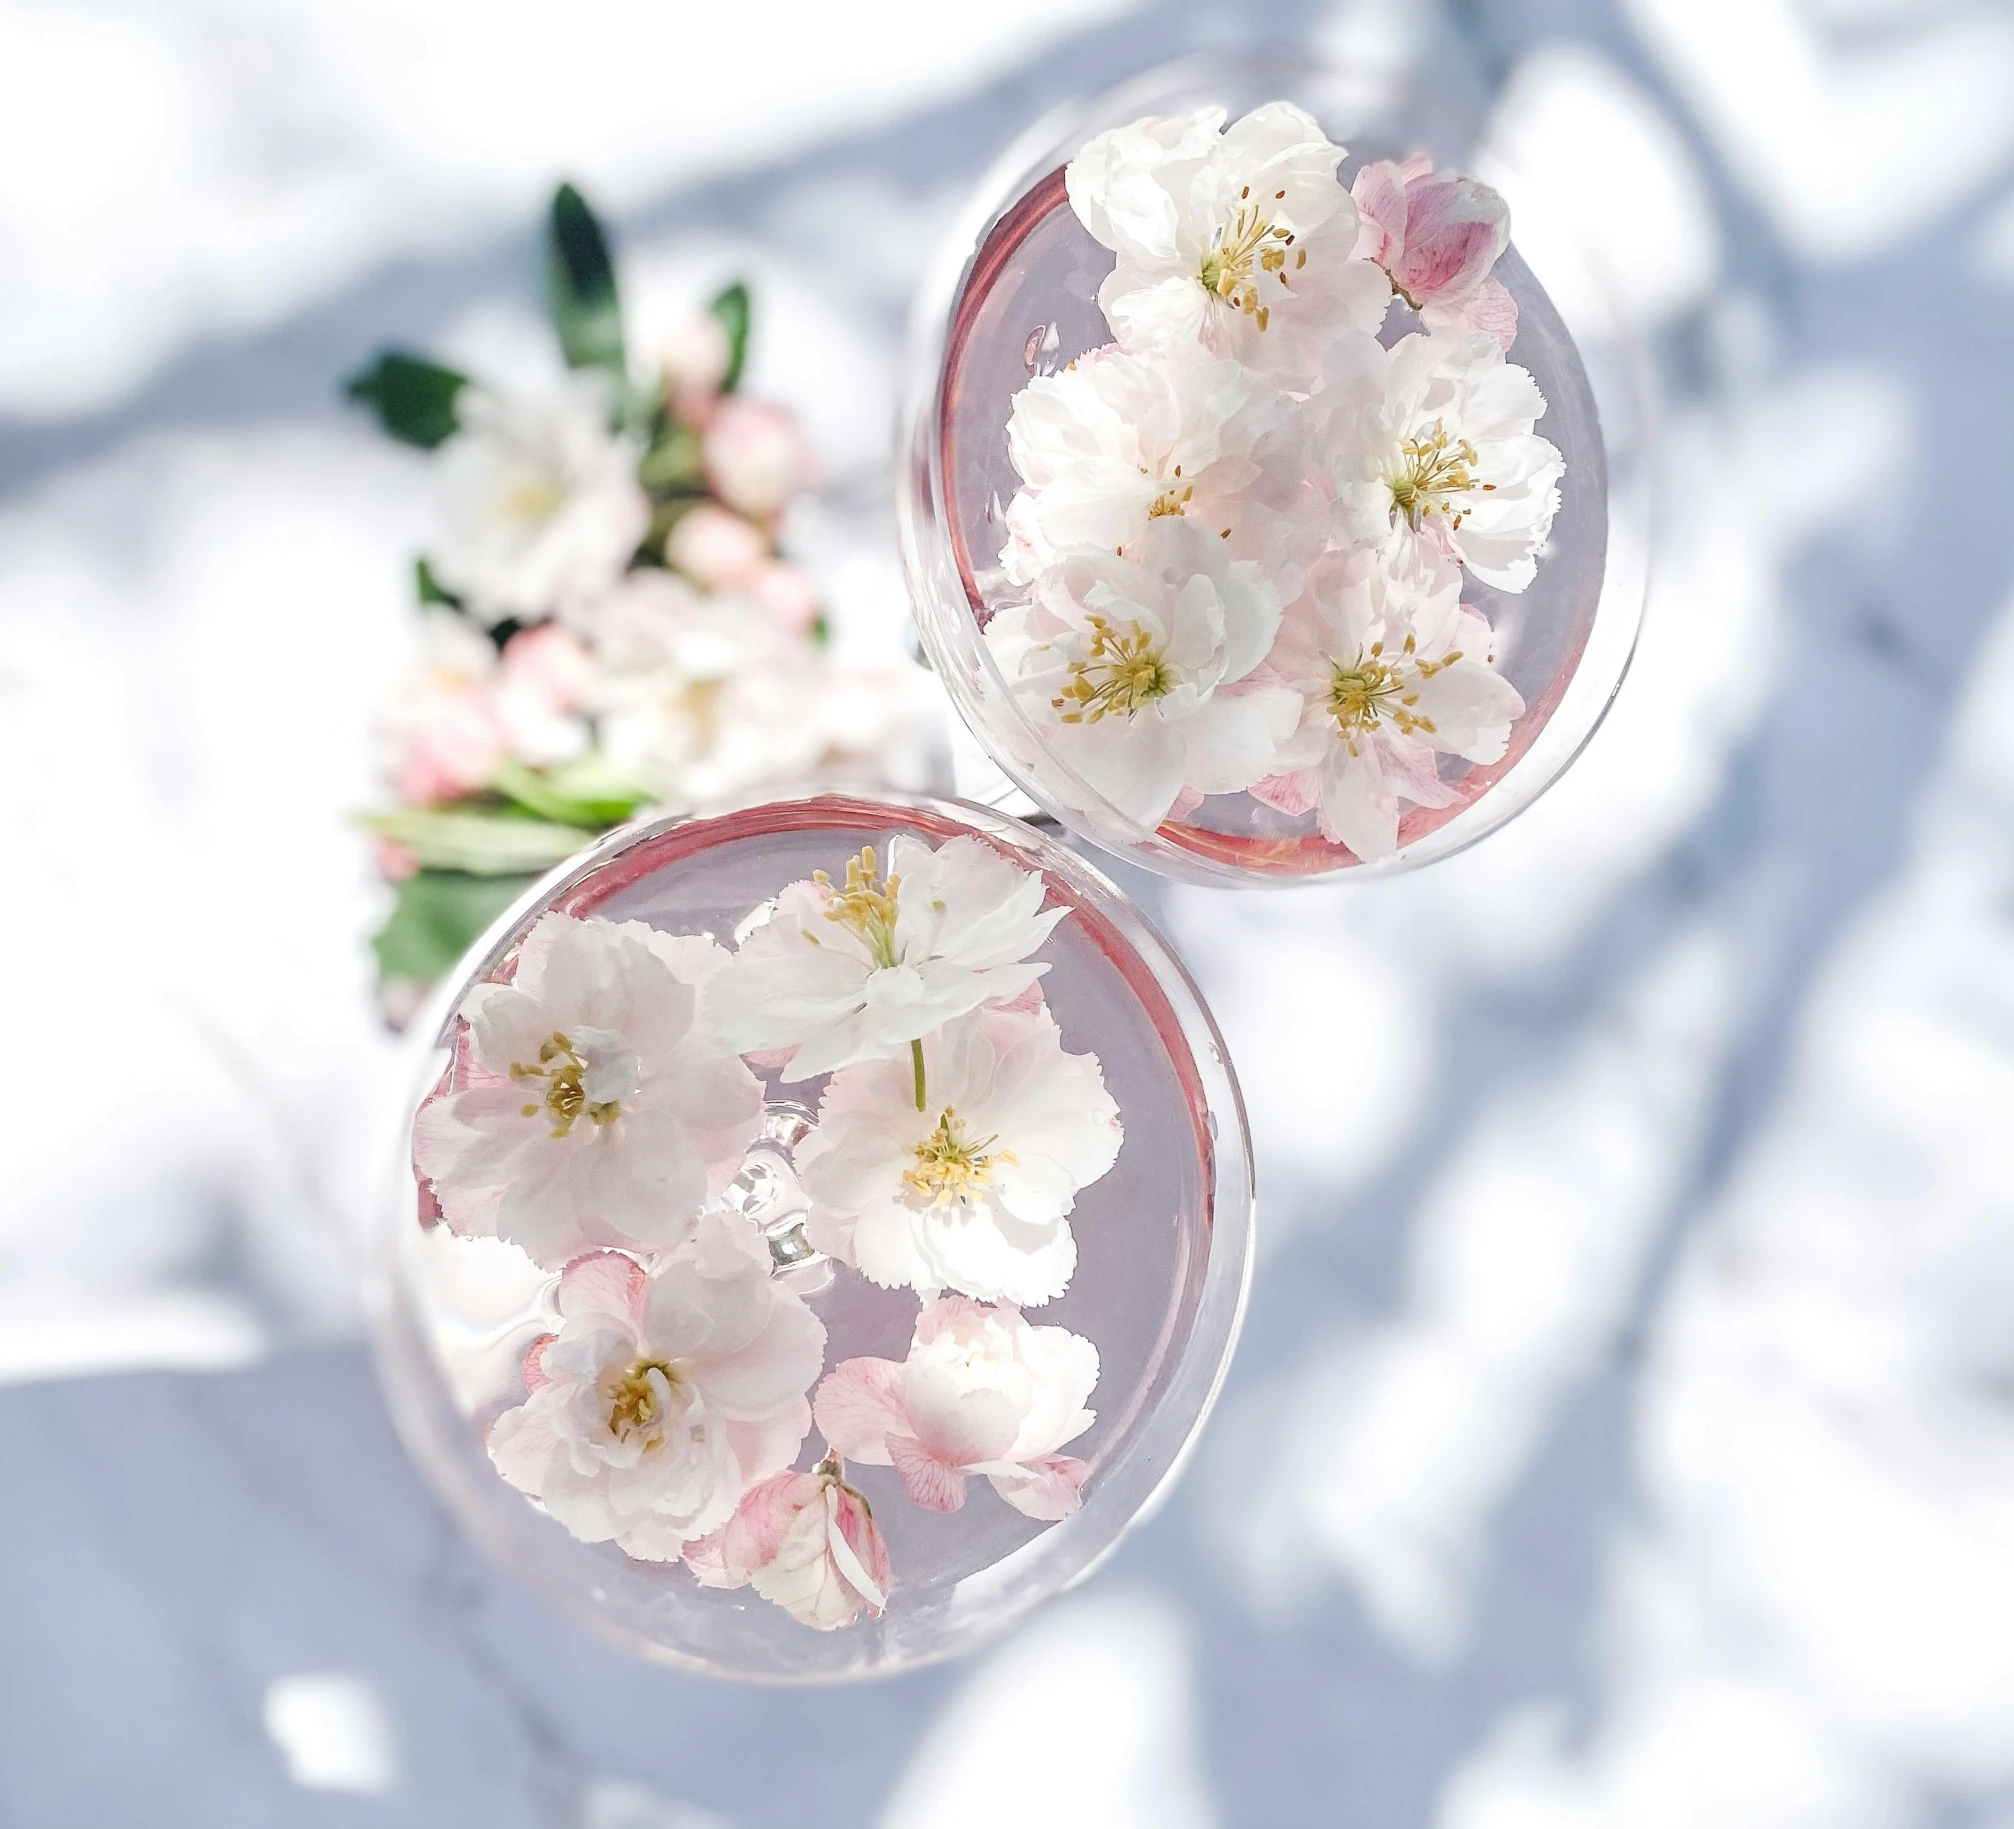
(1455, 229)
(707, 1558)
(770, 1060)
(1047, 1489)
(928, 1482)
(1380, 194)
(1295, 794)
(1025, 1001)
(602, 1284)
(955, 1421)
(535, 1373)
(1185, 803)
(857, 1548)
(1488, 311)
(764, 1517)
(859, 1406)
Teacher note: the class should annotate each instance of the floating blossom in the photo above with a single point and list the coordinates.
(1127, 664)
(1117, 441)
(601, 1107)
(1393, 671)
(1432, 444)
(974, 1192)
(806, 1541)
(701, 697)
(1239, 239)
(755, 456)
(540, 503)
(662, 1397)
(860, 973)
(981, 1392)
(1437, 234)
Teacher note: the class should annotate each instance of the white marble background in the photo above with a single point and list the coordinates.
(1625, 1433)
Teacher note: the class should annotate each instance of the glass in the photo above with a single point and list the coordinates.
(1164, 1242)
(1014, 293)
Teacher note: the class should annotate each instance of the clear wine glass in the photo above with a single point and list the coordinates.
(1013, 293)
(1164, 1241)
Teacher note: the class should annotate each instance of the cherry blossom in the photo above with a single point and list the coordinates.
(981, 1392)
(662, 1397)
(1431, 442)
(1240, 238)
(974, 1192)
(863, 972)
(540, 505)
(1394, 671)
(1128, 663)
(442, 731)
(600, 1107)
(699, 697)
(1117, 441)
(806, 1541)
(1437, 234)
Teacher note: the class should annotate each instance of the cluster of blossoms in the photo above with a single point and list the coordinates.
(1244, 528)
(607, 621)
(600, 1109)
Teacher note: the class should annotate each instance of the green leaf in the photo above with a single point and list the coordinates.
(588, 794)
(730, 306)
(482, 844)
(580, 280)
(430, 589)
(439, 915)
(672, 466)
(413, 398)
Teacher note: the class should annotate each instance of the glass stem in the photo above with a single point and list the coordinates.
(916, 1057)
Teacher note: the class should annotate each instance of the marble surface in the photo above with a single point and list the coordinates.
(1624, 1434)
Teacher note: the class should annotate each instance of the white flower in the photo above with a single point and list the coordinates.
(806, 1542)
(858, 974)
(1126, 661)
(756, 458)
(1431, 442)
(600, 1108)
(1117, 441)
(701, 697)
(540, 504)
(443, 732)
(1241, 239)
(973, 1192)
(1394, 671)
(662, 1398)
(981, 1392)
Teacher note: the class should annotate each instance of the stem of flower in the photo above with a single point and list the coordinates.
(916, 1057)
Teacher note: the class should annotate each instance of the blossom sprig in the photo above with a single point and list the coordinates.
(608, 617)
(1251, 404)
(606, 1087)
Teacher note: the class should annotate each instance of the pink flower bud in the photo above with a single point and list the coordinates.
(1437, 234)
(715, 548)
(806, 1541)
(755, 456)
(695, 358)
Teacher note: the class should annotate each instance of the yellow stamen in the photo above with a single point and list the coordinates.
(636, 1400)
(1123, 672)
(562, 1068)
(1434, 472)
(1375, 691)
(1247, 247)
(950, 1167)
(866, 906)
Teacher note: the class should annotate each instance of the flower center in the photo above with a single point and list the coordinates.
(866, 907)
(639, 1399)
(950, 1166)
(1432, 473)
(1373, 691)
(1243, 251)
(1123, 671)
(534, 498)
(563, 1068)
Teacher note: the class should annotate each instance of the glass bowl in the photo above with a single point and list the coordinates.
(1164, 1243)
(1013, 294)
